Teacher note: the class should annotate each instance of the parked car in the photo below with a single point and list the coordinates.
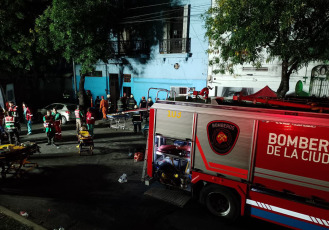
(65, 109)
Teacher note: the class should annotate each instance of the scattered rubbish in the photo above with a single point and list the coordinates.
(130, 155)
(60, 228)
(23, 213)
(123, 178)
(139, 156)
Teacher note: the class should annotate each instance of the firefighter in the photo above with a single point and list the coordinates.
(48, 122)
(27, 117)
(57, 124)
(120, 105)
(137, 120)
(78, 118)
(142, 103)
(90, 120)
(131, 102)
(124, 101)
(149, 102)
(104, 107)
(11, 128)
(108, 96)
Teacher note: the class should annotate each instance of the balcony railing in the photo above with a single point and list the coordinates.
(175, 45)
(129, 47)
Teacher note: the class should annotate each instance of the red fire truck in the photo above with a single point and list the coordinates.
(268, 163)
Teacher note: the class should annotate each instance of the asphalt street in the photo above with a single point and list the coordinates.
(82, 192)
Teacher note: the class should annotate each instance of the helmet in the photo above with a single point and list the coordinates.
(108, 95)
(131, 96)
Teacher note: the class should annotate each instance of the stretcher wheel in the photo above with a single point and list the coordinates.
(91, 150)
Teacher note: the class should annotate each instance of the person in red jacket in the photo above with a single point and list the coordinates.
(90, 120)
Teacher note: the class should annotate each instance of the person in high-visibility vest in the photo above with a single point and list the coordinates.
(104, 105)
(57, 124)
(11, 128)
(78, 118)
(48, 120)
(28, 118)
(90, 120)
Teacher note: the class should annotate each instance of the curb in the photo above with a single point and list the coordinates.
(21, 219)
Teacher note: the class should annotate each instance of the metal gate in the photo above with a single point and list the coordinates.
(319, 81)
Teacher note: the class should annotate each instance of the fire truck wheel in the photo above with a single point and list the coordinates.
(221, 202)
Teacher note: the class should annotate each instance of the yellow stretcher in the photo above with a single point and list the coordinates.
(14, 158)
(86, 142)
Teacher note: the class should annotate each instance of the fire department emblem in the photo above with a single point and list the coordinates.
(222, 136)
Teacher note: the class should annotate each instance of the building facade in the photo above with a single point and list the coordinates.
(178, 62)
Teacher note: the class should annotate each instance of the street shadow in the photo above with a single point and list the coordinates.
(60, 181)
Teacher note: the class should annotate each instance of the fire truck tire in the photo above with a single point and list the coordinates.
(221, 201)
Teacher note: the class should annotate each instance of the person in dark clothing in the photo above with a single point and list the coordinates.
(124, 100)
(120, 105)
(131, 103)
(97, 104)
(142, 103)
(137, 121)
(149, 102)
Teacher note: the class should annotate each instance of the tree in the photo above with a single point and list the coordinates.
(294, 31)
(80, 31)
(17, 41)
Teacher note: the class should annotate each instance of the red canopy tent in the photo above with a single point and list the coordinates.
(265, 92)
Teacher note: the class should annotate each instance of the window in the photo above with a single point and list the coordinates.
(126, 78)
(180, 91)
(176, 35)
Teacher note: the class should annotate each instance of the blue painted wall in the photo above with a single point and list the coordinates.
(159, 71)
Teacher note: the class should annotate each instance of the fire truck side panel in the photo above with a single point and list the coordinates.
(293, 157)
(223, 145)
(286, 212)
(174, 124)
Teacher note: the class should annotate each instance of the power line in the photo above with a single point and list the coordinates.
(173, 10)
(137, 16)
(140, 7)
(157, 19)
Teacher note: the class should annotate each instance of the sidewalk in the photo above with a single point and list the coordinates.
(21, 221)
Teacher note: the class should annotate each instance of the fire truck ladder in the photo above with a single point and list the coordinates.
(312, 104)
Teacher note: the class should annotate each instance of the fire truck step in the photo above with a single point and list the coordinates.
(175, 197)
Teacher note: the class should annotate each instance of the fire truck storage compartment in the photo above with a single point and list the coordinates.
(224, 144)
(175, 124)
(293, 157)
(172, 161)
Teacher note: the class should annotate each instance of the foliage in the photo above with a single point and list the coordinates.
(294, 31)
(17, 41)
(78, 29)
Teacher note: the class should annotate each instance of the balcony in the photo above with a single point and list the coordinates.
(175, 45)
(129, 47)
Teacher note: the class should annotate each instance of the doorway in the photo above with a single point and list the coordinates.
(127, 90)
(114, 90)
